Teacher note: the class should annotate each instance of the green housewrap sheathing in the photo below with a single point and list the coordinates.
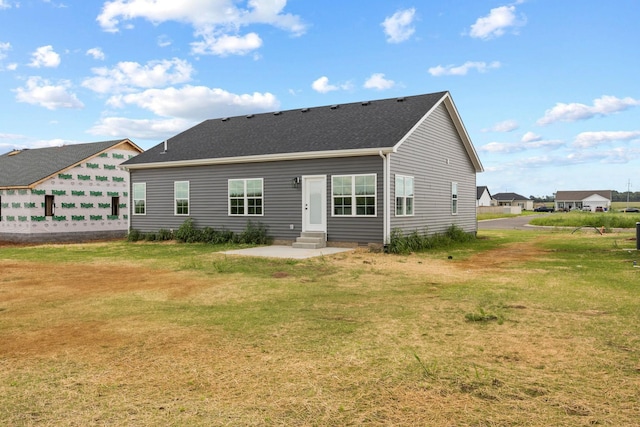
(90, 198)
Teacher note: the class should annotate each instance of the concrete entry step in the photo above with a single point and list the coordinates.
(311, 240)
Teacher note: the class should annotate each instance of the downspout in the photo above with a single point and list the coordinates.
(129, 202)
(386, 205)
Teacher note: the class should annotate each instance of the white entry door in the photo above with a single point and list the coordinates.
(314, 203)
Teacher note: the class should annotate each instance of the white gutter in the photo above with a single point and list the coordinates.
(263, 158)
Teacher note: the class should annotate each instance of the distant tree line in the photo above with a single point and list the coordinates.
(616, 196)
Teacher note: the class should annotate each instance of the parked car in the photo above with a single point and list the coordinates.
(631, 210)
(543, 209)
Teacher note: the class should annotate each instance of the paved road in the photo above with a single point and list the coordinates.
(511, 223)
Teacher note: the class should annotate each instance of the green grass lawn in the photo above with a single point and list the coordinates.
(608, 220)
(513, 329)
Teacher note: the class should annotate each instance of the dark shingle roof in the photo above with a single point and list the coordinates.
(353, 126)
(509, 196)
(26, 167)
(480, 190)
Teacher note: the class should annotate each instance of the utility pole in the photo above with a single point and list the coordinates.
(628, 191)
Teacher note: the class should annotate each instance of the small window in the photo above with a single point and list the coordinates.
(49, 205)
(246, 196)
(353, 195)
(181, 193)
(115, 206)
(140, 198)
(454, 198)
(404, 195)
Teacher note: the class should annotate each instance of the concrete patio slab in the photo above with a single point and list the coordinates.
(281, 251)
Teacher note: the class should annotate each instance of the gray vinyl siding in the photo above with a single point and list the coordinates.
(435, 156)
(282, 204)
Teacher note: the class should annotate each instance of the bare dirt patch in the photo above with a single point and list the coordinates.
(505, 256)
(30, 289)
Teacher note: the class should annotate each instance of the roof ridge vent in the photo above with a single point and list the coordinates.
(277, 113)
(305, 110)
(366, 103)
(401, 99)
(335, 106)
(249, 116)
(224, 119)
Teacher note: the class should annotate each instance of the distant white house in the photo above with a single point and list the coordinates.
(483, 197)
(512, 199)
(591, 200)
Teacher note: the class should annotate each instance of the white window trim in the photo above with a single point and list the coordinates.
(175, 198)
(354, 196)
(454, 197)
(246, 198)
(404, 206)
(133, 199)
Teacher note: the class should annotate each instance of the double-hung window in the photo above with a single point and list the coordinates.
(139, 190)
(181, 193)
(353, 195)
(246, 196)
(404, 195)
(454, 198)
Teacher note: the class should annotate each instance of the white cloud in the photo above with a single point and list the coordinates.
(618, 155)
(322, 85)
(603, 106)
(39, 91)
(592, 139)
(531, 137)
(56, 5)
(225, 45)
(140, 129)
(500, 147)
(462, 70)
(196, 102)
(399, 26)
(496, 23)
(377, 81)
(164, 41)
(528, 142)
(44, 56)
(504, 126)
(4, 4)
(10, 142)
(96, 53)
(11, 136)
(4, 48)
(126, 76)
(218, 22)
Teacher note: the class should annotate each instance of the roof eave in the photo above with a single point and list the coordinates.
(457, 121)
(263, 158)
(15, 187)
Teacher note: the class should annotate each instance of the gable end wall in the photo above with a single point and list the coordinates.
(435, 156)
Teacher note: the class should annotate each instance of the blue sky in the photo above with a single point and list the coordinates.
(549, 90)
